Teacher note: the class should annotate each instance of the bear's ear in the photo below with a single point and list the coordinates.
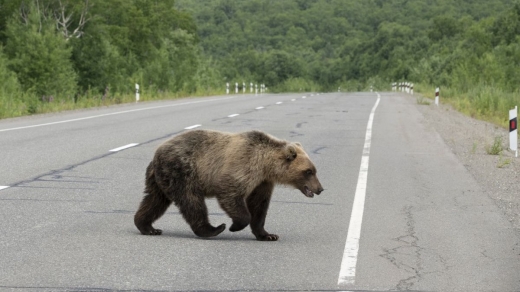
(298, 144)
(290, 152)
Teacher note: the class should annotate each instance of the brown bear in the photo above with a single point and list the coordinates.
(240, 170)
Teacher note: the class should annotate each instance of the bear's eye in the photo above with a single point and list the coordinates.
(308, 171)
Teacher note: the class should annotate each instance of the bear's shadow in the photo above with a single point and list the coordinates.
(190, 235)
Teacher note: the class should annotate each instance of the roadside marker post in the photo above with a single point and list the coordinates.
(136, 92)
(251, 87)
(437, 96)
(243, 87)
(513, 130)
(236, 87)
(411, 88)
(227, 87)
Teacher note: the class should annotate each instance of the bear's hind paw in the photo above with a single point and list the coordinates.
(267, 237)
(209, 231)
(155, 231)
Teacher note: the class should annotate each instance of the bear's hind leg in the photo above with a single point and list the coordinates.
(258, 203)
(152, 208)
(194, 210)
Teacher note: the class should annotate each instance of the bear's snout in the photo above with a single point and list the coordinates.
(310, 192)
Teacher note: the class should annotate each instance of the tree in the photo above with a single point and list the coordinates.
(39, 55)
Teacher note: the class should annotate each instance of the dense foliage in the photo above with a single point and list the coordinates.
(79, 51)
(67, 50)
(336, 41)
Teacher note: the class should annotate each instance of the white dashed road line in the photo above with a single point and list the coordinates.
(259, 108)
(3, 187)
(124, 147)
(293, 99)
(347, 274)
(279, 102)
(192, 127)
(232, 116)
(304, 96)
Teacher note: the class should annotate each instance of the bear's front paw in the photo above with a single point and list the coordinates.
(151, 231)
(267, 237)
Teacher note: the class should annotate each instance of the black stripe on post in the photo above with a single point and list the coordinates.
(513, 125)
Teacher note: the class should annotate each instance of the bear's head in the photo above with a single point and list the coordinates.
(299, 171)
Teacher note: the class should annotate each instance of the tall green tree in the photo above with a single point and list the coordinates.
(39, 55)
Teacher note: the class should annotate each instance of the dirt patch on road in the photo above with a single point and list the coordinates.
(469, 139)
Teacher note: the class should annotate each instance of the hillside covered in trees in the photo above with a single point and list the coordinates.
(336, 41)
(92, 51)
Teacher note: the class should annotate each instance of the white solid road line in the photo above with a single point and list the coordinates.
(259, 108)
(115, 113)
(192, 127)
(347, 272)
(3, 187)
(233, 115)
(124, 147)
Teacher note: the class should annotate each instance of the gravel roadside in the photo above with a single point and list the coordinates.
(469, 139)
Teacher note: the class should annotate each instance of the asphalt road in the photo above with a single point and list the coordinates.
(67, 213)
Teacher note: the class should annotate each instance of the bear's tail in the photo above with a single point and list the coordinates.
(153, 206)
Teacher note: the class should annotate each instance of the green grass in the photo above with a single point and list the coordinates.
(483, 102)
(23, 105)
(503, 162)
(421, 100)
(496, 148)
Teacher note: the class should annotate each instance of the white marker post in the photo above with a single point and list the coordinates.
(243, 87)
(513, 130)
(251, 87)
(236, 87)
(256, 89)
(411, 88)
(136, 92)
(437, 96)
(227, 87)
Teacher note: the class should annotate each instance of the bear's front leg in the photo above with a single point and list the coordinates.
(257, 204)
(235, 207)
(267, 237)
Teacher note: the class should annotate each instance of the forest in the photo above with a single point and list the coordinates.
(65, 54)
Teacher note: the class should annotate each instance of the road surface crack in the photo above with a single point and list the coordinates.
(400, 256)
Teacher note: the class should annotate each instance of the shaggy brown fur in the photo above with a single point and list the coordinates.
(240, 170)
